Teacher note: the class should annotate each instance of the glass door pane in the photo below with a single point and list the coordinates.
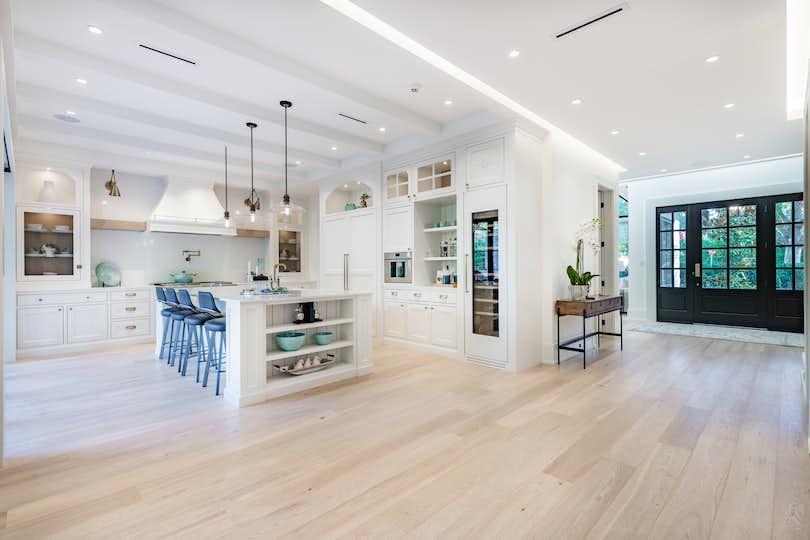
(289, 250)
(485, 273)
(789, 236)
(48, 244)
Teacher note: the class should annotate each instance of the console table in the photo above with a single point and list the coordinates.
(587, 308)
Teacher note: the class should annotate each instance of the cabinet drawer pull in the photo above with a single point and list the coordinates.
(40, 299)
(131, 308)
(394, 293)
(130, 294)
(131, 327)
(417, 294)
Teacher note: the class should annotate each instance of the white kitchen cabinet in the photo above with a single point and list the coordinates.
(397, 187)
(419, 323)
(395, 320)
(486, 164)
(443, 326)
(398, 228)
(86, 323)
(434, 177)
(40, 327)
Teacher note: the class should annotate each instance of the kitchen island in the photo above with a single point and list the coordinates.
(258, 370)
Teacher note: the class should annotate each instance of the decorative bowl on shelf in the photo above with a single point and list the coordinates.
(108, 274)
(290, 341)
(324, 338)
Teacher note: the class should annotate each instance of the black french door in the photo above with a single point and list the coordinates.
(736, 262)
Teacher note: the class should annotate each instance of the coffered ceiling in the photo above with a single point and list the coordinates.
(642, 73)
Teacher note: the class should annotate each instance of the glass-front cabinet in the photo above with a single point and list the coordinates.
(424, 180)
(49, 242)
(289, 250)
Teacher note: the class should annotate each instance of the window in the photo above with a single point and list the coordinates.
(624, 248)
(789, 236)
(729, 247)
(672, 249)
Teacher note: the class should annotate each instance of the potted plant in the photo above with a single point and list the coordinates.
(364, 200)
(580, 280)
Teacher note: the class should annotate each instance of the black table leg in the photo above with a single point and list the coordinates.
(621, 333)
(584, 342)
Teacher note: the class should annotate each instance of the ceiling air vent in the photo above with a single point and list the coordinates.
(352, 118)
(66, 118)
(164, 53)
(600, 17)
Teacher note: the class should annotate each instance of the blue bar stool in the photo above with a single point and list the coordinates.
(207, 305)
(166, 314)
(216, 359)
(194, 344)
(176, 326)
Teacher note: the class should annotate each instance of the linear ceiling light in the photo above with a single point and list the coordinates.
(385, 30)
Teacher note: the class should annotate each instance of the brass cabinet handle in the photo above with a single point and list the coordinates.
(131, 308)
(130, 294)
(131, 327)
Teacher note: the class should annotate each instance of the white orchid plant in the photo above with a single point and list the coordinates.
(586, 234)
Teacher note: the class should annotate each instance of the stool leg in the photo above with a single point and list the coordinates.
(209, 358)
(188, 350)
(219, 360)
(201, 351)
(165, 333)
(172, 333)
(180, 344)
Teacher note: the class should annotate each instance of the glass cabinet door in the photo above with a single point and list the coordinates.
(289, 250)
(434, 176)
(396, 185)
(49, 243)
(485, 273)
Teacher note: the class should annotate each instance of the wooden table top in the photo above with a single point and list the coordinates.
(589, 306)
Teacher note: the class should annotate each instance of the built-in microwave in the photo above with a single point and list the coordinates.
(397, 267)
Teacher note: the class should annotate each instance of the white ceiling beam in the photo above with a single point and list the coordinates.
(181, 22)
(84, 132)
(250, 111)
(181, 126)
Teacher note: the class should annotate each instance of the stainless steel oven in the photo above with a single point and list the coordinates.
(398, 267)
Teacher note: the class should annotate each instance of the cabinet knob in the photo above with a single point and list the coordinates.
(60, 309)
(394, 293)
(70, 309)
(87, 298)
(40, 299)
(79, 266)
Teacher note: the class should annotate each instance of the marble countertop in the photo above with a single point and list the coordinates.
(295, 296)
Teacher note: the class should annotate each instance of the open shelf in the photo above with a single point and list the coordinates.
(308, 349)
(335, 373)
(303, 326)
(47, 232)
(56, 256)
(441, 258)
(449, 228)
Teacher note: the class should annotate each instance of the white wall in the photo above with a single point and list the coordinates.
(148, 257)
(570, 195)
(748, 180)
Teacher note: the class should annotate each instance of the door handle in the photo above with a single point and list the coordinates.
(466, 273)
(345, 271)
(696, 273)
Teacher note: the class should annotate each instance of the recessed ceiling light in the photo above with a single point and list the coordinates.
(576, 102)
(382, 130)
(728, 106)
(95, 30)
(357, 182)
(615, 132)
(345, 186)
(746, 156)
(642, 153)
(740, 135)
(298, 162)
(712, 59)
(334, 148)
(514, 53)
(70, 113)
(81, 81)
(104, 202)
(448, 102)
(662, 170)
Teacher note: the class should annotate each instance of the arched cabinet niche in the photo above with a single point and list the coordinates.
(354, 195)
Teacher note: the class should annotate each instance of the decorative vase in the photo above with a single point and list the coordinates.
(578, 292)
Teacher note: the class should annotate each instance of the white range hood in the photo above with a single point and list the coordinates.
(190, 208)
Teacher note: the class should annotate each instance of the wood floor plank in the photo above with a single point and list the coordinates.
(672, 437)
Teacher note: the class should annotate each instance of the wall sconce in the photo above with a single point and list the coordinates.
(48, 192)
(112, 186)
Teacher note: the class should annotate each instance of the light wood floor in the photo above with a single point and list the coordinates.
(677, 437)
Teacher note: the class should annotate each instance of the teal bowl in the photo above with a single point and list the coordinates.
(290, 341)
(323, 338)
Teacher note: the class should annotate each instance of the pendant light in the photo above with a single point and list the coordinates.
(112, 186)
(285, 201)
(227, 214)
(253, 201)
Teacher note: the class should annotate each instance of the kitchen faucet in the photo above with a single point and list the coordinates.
(275, 283)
